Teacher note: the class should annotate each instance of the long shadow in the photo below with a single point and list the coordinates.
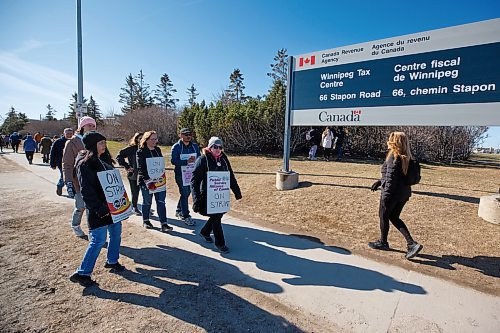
(267, 250)
(188, 298)
(489, 266)
(449, 196)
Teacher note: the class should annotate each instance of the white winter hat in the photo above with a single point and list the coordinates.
(215, 140)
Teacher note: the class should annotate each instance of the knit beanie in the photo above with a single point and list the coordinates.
(215, 140)
(90, 140)
(85, 121)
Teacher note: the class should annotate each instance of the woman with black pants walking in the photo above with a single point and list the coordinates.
(212, 159)
(395, 193)
(130, 164)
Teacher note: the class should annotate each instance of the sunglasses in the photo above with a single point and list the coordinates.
(216, 147)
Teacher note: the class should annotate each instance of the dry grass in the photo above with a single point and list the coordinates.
(334, 204)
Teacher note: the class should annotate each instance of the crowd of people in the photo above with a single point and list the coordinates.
(79, 157)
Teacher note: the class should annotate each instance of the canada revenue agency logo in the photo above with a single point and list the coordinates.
(330, 117)
(307, 61)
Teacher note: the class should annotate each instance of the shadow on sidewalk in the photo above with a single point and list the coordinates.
(194, 290)
(486, 265)
(267, 250)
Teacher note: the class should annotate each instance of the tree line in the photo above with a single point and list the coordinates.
(253, 124)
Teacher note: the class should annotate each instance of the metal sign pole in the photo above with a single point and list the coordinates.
(288, 127)
(80, 62)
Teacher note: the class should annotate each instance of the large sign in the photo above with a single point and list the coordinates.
(156, 172)
(116, 196)
(449, 76)
(218, 195)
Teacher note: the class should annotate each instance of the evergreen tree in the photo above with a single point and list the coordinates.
(192, 95)
(279, 70)
(164, 93)
(14, 122)
(235, 90)
(94, 111)
(129, 95)
(144, 99)
(50, 113)
(72, 111)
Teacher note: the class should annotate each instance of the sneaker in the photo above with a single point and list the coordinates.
(207, 239)
(137, 211)
(83, 280)
(413, 250)
(189, 221)
(78, 231)
(146, 224)
(379, 245)
(59, 191)
(166, 228)
(179, 215)
(223, 249)
(115, 268)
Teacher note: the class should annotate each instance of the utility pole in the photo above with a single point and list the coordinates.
(80, 62)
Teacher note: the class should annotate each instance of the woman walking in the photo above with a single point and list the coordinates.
(395, 193)
(127, 158)
(327, 142)
(29, 146)
(148, 154)
(93, 159)
(212, 159)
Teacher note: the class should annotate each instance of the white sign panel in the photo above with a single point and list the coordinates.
(156, 172)
(218, 193)
(116, 196)
(187, 170)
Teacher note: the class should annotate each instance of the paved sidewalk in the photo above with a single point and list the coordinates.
(348, 291)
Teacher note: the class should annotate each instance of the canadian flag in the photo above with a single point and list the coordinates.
(309, 61)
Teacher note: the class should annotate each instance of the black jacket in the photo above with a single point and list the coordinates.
(199, 180)
(56, 152)
(394, 186)
(142, 154)
(130, 153)
(92, 193)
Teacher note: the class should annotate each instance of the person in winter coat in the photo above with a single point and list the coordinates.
(339, 142)
(395, 193)
(212, 159)
(127, 158)
(71, 149)
(56, 156)
(29, 147)
(15, 140)
(148, 149)
(45, 145)
(184, 154)
(314, 138)
(93, 159)
(327, 138)
(2, 142)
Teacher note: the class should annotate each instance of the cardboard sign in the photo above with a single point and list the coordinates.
(187, 170)
(116, 196)
(218, 195)
(156, 172)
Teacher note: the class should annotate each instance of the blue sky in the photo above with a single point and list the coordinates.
(196, 42)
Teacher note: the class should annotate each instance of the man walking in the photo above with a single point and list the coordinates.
(15, 140)
(44, 147)
(56, 156)
(184, 154)
(71, 150)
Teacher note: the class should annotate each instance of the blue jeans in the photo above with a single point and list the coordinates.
(184, 191)
(97, 239)
(76, 218)
(60, 183)
(147, 200)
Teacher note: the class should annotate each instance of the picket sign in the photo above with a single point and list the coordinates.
(116, 196)
(218, 195)
(187, 170)
(156, 172)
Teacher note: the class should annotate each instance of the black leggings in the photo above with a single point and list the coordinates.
(214, 224)
(29, 156)
(389, 210)
(134, 188)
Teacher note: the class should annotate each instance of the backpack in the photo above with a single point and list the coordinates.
(413, 176)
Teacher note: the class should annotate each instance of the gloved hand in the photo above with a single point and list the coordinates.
(70, 189)
(196, 207)
(238, 196)
(376, 185)
(151, 185)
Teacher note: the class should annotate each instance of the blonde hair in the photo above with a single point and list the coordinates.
(133, 141)
(399, 146)
(145, 138)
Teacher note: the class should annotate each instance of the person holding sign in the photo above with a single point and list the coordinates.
(130, 165)
(90, 164)
(395, 193)
(184, 154)
(152, 180)
(210, 184)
